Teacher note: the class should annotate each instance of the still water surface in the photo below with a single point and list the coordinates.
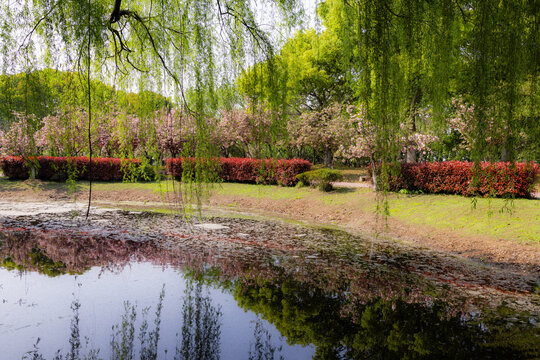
(240, 290)
(38, 306)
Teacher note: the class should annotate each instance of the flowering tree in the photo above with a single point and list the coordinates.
(415, 145)
(363, 141)
(126, 132)
(64, 133)
(104, 142)
(3, 140)
(19, 139)
(247, 129)
(326, 130)
(462, 123)
(174, 130)
(114, 133)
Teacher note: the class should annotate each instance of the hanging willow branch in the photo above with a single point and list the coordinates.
(89, 113)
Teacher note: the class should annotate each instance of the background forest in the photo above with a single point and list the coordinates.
(325, 96)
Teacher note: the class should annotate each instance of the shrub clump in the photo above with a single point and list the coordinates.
(321, 178)
(503, 179)
(244, 170)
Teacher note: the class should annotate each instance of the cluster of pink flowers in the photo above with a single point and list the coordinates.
(112, 134)
(246, 129)
(416, 141)
(326, 128)
(19, 139)
(64, 133)
(348, 133)
(362, 140)
(463, 120)
(3, 140)
(337, 131)
(173, 130)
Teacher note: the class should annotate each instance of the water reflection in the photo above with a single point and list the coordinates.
(262, 348)
(385, 329)
(201, 328)
(200, 331)
(345, 308)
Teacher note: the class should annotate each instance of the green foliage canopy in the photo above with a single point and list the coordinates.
(405, 59)
(309, 73)
(44, 92)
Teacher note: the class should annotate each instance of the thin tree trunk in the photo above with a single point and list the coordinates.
(373, 174)
(411, 154)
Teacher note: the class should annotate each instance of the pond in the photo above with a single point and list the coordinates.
(129, 285)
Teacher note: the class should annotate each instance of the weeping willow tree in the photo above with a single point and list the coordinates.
(414, 55)
(172, 47)
(418, 53)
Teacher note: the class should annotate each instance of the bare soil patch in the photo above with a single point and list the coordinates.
(483, 249)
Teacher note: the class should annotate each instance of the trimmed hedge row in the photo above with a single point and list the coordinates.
(60, 168)
(265, 171)
(467, 178)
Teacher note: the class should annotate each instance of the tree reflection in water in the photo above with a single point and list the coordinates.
(381, 329)
(262, 348)
(200, 332)
(348, 309)
(201, 328)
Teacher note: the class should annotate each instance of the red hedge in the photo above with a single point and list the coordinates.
(59, 168)
(466, 178)
(267, 171)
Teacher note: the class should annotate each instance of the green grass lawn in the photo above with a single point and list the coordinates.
(516, 220)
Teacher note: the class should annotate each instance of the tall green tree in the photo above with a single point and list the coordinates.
(309, 73)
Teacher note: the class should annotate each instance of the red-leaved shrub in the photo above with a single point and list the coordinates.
(266, 171)
(60, 168)
(14, 167)
(467, 178)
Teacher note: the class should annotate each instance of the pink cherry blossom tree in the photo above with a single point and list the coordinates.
(19, 140)
(64, 133)
(363, 142)
(249, 130)
(325, 131)
(463, 121)
(414, 144)
(175, 129)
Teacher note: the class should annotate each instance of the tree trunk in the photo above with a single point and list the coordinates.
(373, 174)
(410, 156)
(505, 154)
(115, 14)
(328, 158)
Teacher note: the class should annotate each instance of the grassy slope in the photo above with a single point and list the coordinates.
(518, 220)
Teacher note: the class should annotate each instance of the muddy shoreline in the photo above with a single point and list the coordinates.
(228, 242)
(484, 251)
